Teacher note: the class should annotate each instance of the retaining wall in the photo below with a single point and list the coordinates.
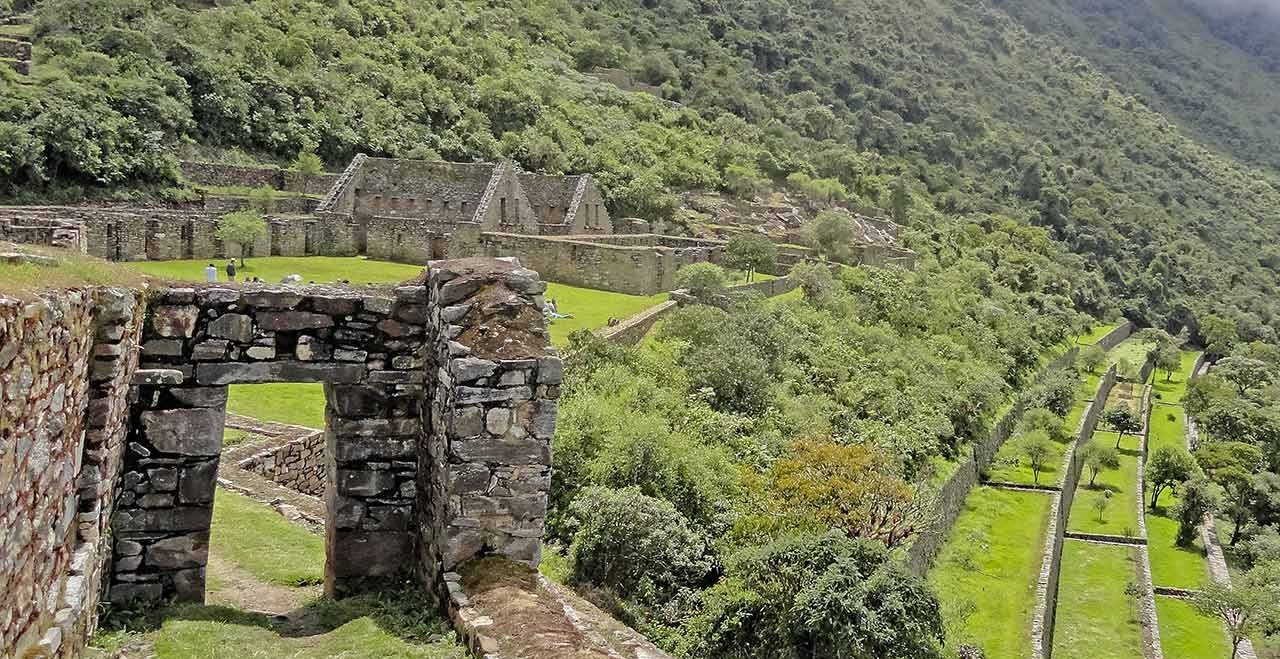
(242, 176)
(298, 464)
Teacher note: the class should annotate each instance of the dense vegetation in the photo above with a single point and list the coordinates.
(1021, 144)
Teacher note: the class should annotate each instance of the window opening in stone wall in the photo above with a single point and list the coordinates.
(502, 210)
(189, 240)
(275, 239)
(150, 240)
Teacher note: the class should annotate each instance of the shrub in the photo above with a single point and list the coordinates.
(702, 279)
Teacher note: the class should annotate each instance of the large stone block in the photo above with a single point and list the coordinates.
(279, 371)
(184, 551)
(364, 482)
(355, 450)
(287, 321)
(185, 432)
(278, 299)
(174, 321)
(196, 483)
(234, 326)
(369, 553)
(357, 400)
(496, 451)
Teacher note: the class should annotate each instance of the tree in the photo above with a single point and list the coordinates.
(900, 200)
(1243, 372)
(1168, 467)
(832, 231)
(1200, 496)
(1097, 458)
(1043, 420)
(1220, 334)
(853, 488)
(1122, 420)
(1039, 450)
(815, 280)
(751, 253)
(1100, 504)
(1168, 359)
(702, 279)
(1243, 609)
(1092, 358)
(633, 545)
(242, 228)
(308, 162)
(818, 595)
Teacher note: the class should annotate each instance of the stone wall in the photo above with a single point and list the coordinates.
(49, 232)
(65, 364)
(950, 498)
(241, 176)
(484, 466)
(632, 329)
(1051, 558)
(591, 262)
(298, 464)
(1115, 336)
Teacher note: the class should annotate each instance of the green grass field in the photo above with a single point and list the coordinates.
(1011, 466)
(298, 403)
(1121, 515)
(265, 544)
(1095, 619)
(1171, 565)
(1185, 634)
(1131, 351)
(1167, 427)
(1172, 390)
(1072, 422)
(1095, 334)
(989, 566)
(1089, 387)
(591, 309)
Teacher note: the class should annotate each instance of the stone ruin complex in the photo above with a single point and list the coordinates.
(441, 400)
(409, 211)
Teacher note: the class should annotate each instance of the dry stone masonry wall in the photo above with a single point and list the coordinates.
(441, 399)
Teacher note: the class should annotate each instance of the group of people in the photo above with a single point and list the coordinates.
(211, 272)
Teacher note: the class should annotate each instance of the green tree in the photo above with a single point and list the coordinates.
(1098, 458)
(1220, 334)
(900, 200)
(1243, 372)
(702, 280)
(1199, 497)
(751, 253)
(1245, 609)
(242, 228)
(633, 545)
(1122, 420)
(832, 231)
(1168, 359)
(815, 280)
(1092, 358)
(1040, 419)
(1039, 451)
(308, 162)
(1168, 467)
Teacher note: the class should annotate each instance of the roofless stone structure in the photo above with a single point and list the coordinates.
(441, 398)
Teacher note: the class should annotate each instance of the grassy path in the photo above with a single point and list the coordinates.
(256, 610)
(1095, 618)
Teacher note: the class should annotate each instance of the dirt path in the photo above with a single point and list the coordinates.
(231, 585)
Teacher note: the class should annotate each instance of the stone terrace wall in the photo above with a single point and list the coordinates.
(1115, 336)
(62, 234)
(1042, 625)
(951, 497)
(220, 175)
(592, 263)
(65, 367)
(298, 464)
(631, 330)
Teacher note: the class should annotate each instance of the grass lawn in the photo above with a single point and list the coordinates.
(591, 309)
(1186, 633)
(265, 544)
(1072, 422)
(1095, 619)
(1133, 352)
(320, 269)
(1167, 427)
(1172, 390)
(989, 567)
(1089, 387)
(1121, 515)
(1011, 466)
(1095, 334)
(1171, 565)
(298, 403)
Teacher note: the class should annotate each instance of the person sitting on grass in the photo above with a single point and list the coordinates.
(551, 312)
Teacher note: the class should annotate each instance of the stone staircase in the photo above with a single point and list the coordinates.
(15, 47)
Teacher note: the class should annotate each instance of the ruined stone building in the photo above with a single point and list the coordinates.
(409, 211)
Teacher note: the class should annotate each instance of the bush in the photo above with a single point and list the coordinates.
(702, 279)
(636, 546)
(308, 163)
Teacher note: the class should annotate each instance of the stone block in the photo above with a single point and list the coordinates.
(232, 326)
(126, 593)
(184, 551)
(369, 553)
(196, 483)
(364, 482)
(335, 306)
(359, 450)
(261, 352)
(287, 321)
(218, 296)
(467, 421)
(272, 299)
(157, 376)
(550, 370)
(497, 421)
(378, 305)
(396, 377)
(200, 396)
(174, 321)
(210, 350)
(164, 479)
(163, 348)
(496, 451)
(278, 371)
(185, 432)
(188, 585)
(543, 423)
